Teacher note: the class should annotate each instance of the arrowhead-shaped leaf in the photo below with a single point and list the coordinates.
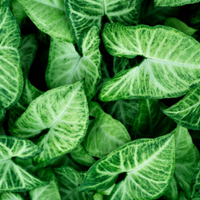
(49, 16)
(186, 111)
(63, 113)
(66, 66)
(170, 68)
(147, 163)
(11, 80)
(174, 2)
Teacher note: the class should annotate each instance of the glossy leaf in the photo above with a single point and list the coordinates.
(69, 180)
(150, 121)
(66, 66)
(148, 164)
(49, 191)
(196, 184)
(11, 80)
(170, 68)
(174, 2)
(49, 16)
(10, 196)
(13, 177)
(63, 113)
(105, 134)
(186, 111)
(83, 15)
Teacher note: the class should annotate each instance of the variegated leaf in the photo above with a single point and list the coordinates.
(174, 2)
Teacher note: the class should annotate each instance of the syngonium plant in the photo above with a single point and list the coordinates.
(99, 100)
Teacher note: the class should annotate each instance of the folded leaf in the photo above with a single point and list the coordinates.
(10, 196)
(104, 134)
(69, 180)
(174, 2)
(66, 66)
(11, 80)
(196, 184)
(49, 16)
(13, 177)
(148, 165)
(49, 191)
(170, 68)
(63, 113)
(186, 111)
(83, 15)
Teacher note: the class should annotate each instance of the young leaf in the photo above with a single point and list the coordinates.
(170, 68)
(49, 16)
(63, 112)
(11, 83)
(174, 2)
(66, 66)
(186, 111)
(148, 164)
(150, 120)
(49, 191)
(196, 184)
(13, 177)
(69, 180)
(10, 196)
(179, 25)
(83, 15)
(29, 94)
(104, 133)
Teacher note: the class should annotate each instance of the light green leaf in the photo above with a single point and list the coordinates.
(98, 196)
(170, 68)
(80, 156)
(13, 177)
(196, 184)
(28, 48)
(11, 80)
(147, 163)
(105, 134)
(172, 191)
(186, 159)
(49, 191)
(174, 2)
(29, 94)
(49, 16)
(83, 15)
(10, 196)
(66, 66)
(150, 121)
(186, 111)
(63, 113)
(179, 25)
(69, 180)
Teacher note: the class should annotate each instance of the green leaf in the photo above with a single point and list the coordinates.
(83, 15)
(80, 156)
(120, 64)
(148, 164)
(66, 66)
(172, 190)
(29, 94)
(49, 191)
(179, 25)
(186, 111)
(11, 83)
(98, 196)
(105, 134)
(49, 16)
(69, 180)
(13, 177)
(186, 159)
(10, 196)
(28, 48)
(174, 2)
(170, 68)
(63, 113)
(196, 184)
(150, 121)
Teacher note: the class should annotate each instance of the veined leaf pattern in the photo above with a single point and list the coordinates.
(170, 68)
(196, 184)
(10, 196)
(148, 164)
(174, 2)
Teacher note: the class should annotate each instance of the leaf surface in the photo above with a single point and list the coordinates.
(170, 68)
(174, 2)
(10, 196)
(196, 184)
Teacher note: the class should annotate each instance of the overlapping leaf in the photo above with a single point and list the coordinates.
(196, 184)
(49, 16)
(63, 113)
(148, 164)
(10, 196)
(66, 66)
(170, 68)
(174, 2)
